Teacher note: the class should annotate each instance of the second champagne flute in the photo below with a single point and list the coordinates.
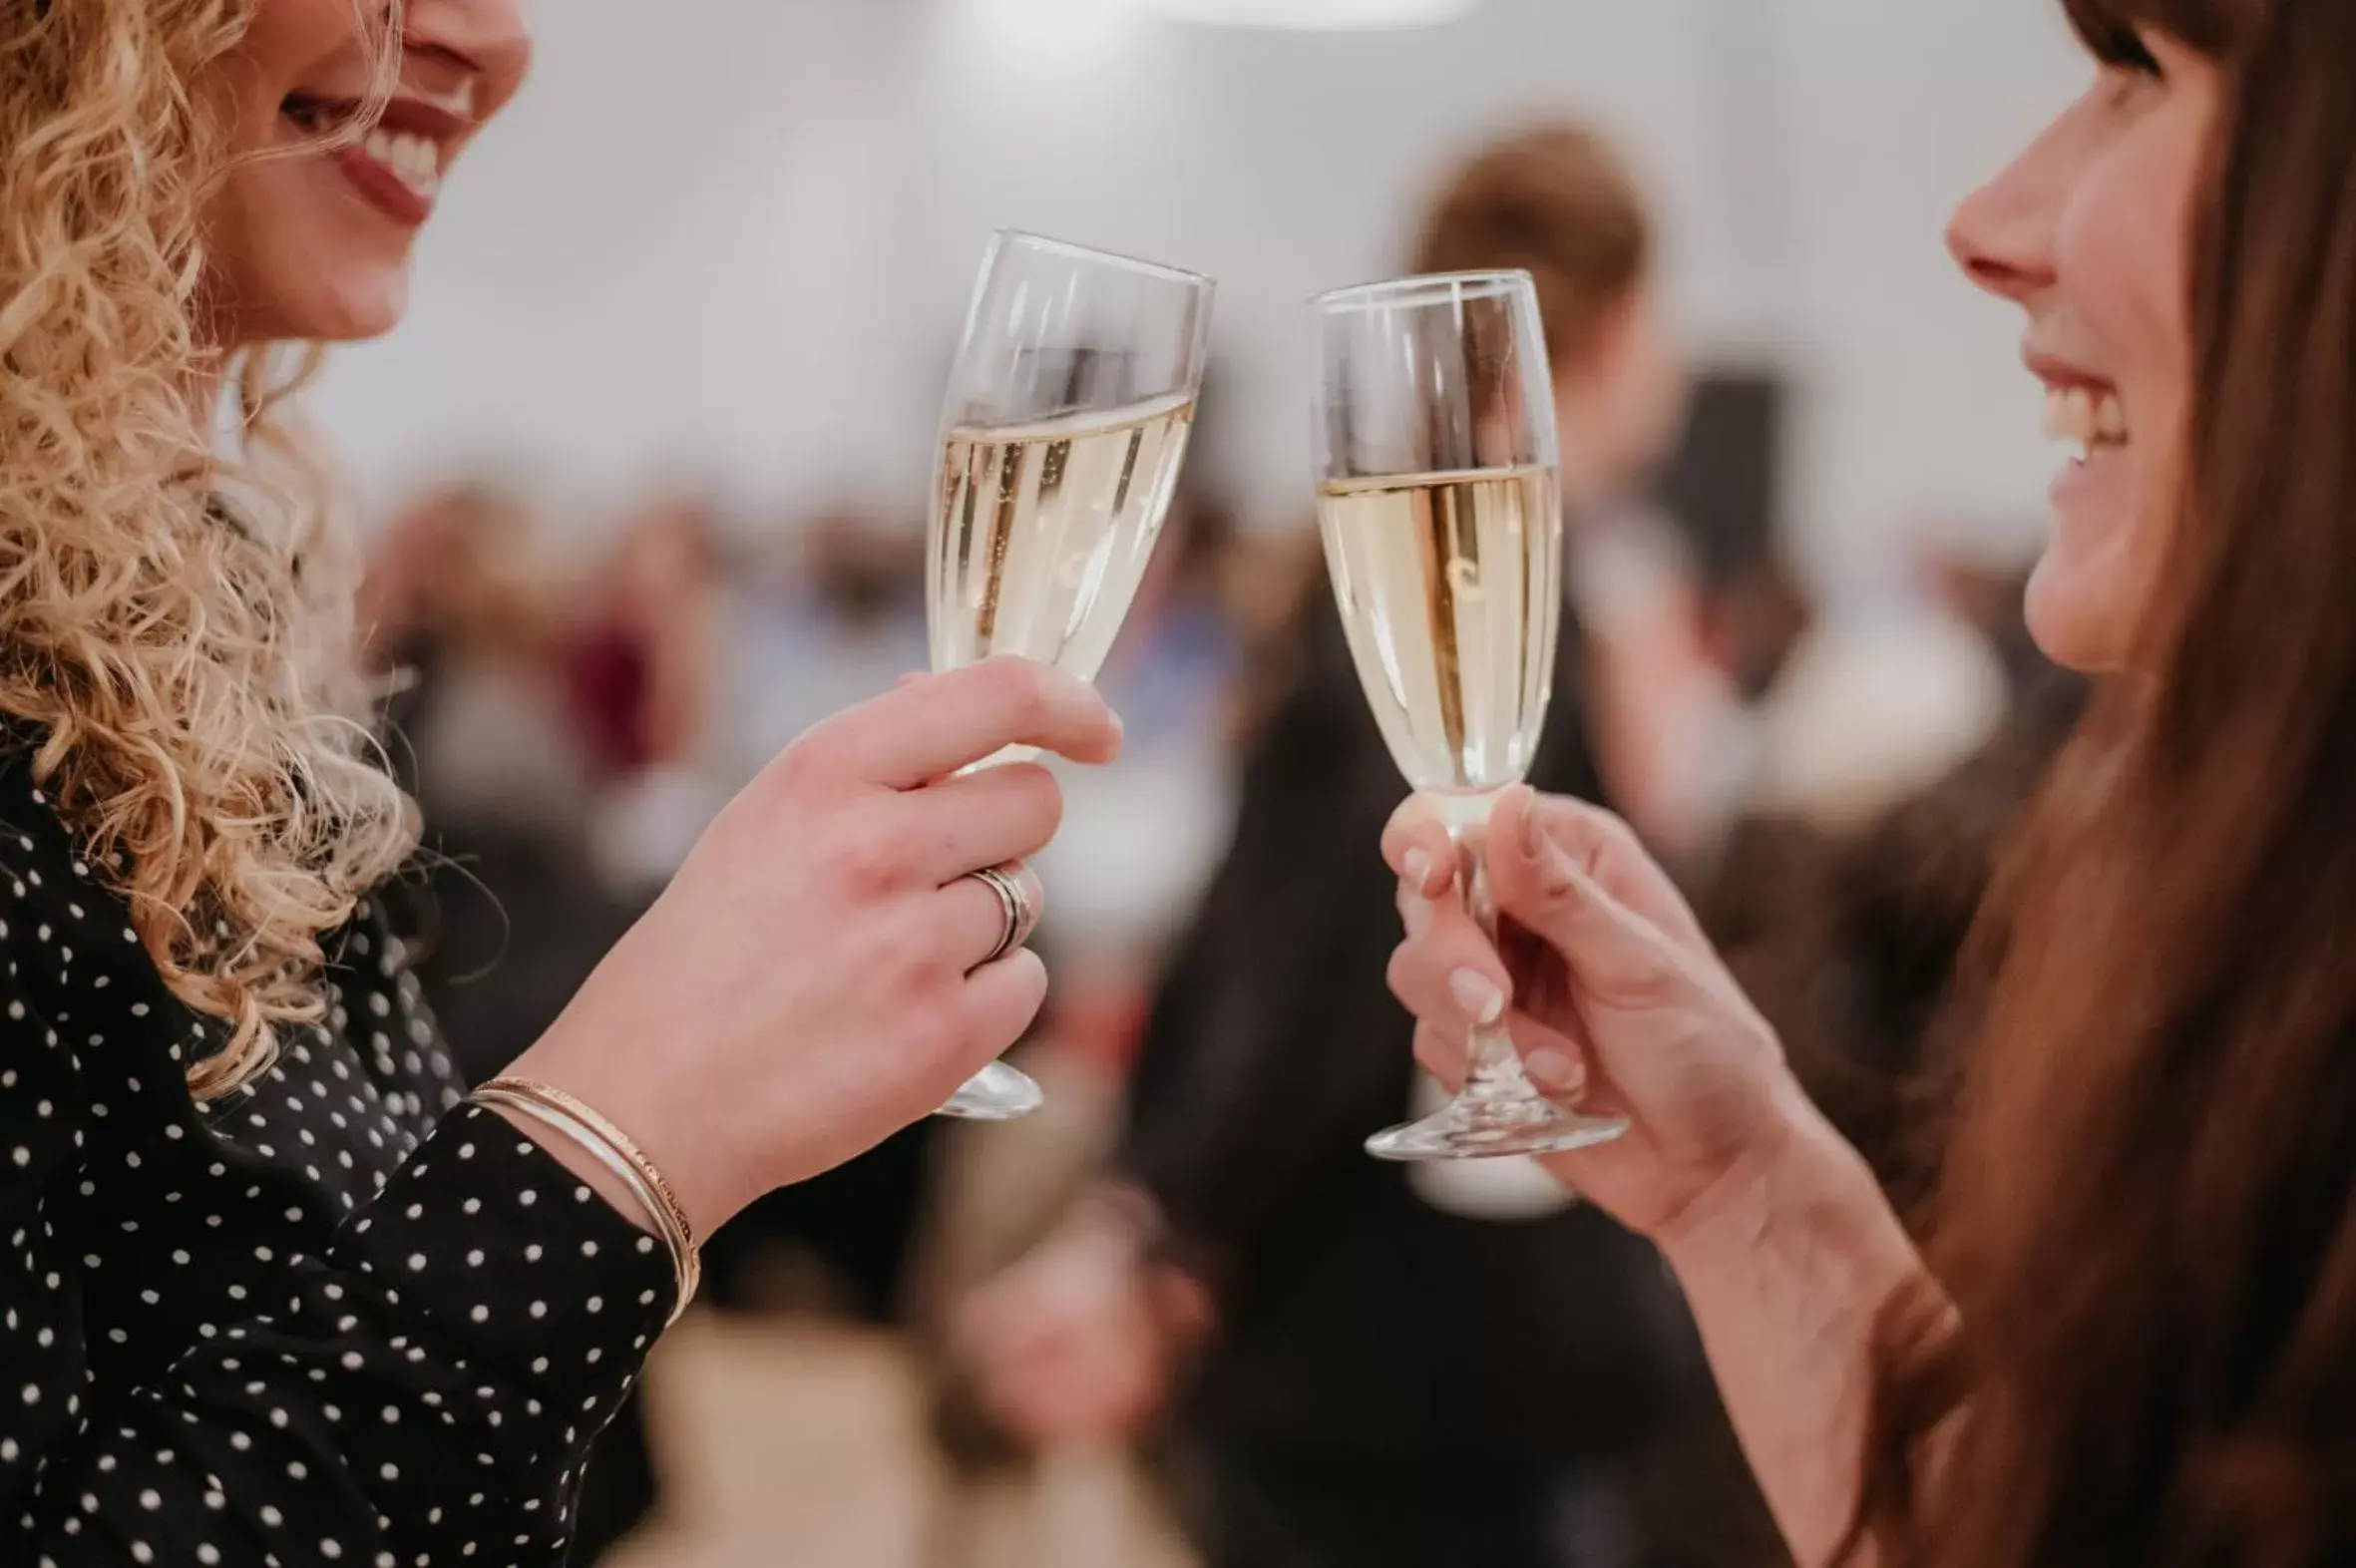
(1065, 428)
(1440, 497)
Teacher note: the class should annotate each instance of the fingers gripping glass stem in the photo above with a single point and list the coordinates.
(1495, 1072)
(1499, 1111)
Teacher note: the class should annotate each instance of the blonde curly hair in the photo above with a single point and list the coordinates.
(174, 606)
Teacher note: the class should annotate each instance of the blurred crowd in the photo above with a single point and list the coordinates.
(1186, 1260)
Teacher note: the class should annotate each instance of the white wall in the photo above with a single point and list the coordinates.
(1919, 405)
(684, 252)
(742, 245)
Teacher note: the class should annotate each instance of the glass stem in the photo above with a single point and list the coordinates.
(1494, 1068)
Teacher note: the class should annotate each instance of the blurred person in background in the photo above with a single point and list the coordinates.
(2128, 1331)
(830, 610)
(277, 1288)
(1393, 1365)
(1651, 693)
(642, 659)
(1849, 935)
(1842, 899)
(467, 612)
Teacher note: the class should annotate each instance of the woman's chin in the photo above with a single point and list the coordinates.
(363, 307)
(326, 305)
(2077, 612)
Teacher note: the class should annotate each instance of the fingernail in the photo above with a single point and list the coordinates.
(1481, 1001)
(1416, 912)
(1533, 840)
(1555, 1069)
(1419, 866)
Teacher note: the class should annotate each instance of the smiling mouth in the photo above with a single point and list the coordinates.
(2091, 419)
(399, 163)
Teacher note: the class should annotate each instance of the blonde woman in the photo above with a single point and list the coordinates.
(270, 1290)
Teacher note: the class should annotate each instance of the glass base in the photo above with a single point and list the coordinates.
(1492, 1127)
(997, 1093)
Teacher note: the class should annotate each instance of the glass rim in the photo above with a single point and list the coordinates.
(1428, 288)
(1029, 240)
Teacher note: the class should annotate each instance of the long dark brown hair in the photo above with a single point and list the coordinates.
(2147, 1220)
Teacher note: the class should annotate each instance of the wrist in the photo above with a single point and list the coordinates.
(1799, 1185)
(592, 1132)
(1789, 1268)
(636, 1103)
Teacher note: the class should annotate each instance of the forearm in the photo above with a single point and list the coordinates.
(1786, 1274)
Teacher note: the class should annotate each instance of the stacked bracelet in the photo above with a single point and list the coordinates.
(610, 1147)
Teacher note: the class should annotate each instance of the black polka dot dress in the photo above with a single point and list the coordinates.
(339, 1318)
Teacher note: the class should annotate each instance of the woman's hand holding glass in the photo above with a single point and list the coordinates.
(821, 972)
(1613, 998)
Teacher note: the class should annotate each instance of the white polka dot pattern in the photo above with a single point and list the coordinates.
(340, 1317)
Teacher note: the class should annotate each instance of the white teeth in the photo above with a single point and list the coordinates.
(2084, 417)
(2111, 420)
(413, 159)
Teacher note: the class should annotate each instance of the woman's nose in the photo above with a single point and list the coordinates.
(2001, 235)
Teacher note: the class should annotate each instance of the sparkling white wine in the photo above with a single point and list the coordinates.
(1450, 587)
(1044, 533)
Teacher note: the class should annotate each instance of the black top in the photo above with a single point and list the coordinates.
(1356, 1319)
(337, 1318)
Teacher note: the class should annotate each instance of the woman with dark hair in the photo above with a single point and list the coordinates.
(2129, 1332)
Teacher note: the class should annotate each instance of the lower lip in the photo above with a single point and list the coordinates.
(382, 188)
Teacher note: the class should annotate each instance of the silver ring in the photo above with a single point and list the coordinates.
(1014, 903)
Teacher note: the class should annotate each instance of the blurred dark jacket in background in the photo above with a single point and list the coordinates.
(1386, 1375)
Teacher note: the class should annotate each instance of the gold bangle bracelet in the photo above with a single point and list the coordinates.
(614, 1150)
(684, 1268)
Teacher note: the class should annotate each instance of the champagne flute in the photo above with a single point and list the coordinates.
(1065, 428)
(1440, 498)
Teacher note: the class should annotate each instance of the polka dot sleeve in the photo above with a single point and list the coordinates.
(424, 1392)
(339, 1319)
